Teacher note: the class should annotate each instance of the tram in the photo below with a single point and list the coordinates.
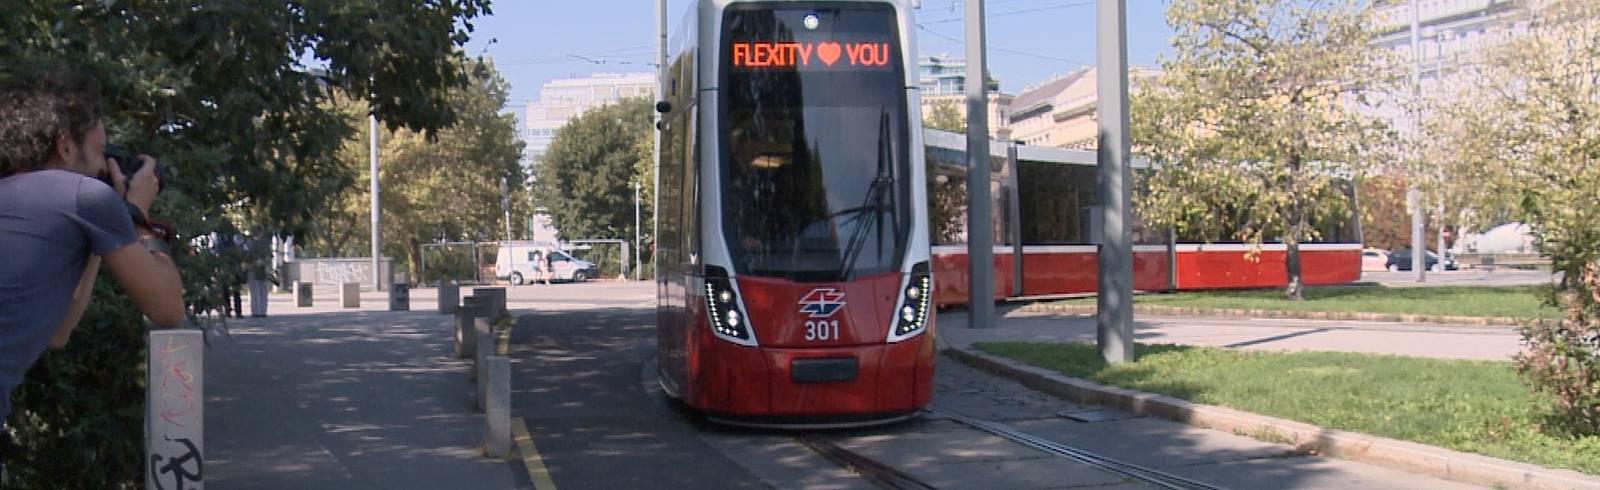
(1046, 232)
(793, 261)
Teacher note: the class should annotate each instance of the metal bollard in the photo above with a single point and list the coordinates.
(483, 333)
(465, 343)
(497, 416)
(449, 296)
(400, 297)
(496, 300)
(302, 294)
(350, 294)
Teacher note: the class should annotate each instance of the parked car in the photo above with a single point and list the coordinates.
(516, 262)
(1400, 260)
(1374, 259)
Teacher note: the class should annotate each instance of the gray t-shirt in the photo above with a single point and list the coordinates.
(50, 221)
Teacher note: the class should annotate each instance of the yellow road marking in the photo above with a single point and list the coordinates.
(530, 456)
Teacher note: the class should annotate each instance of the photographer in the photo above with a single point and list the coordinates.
(64, 209)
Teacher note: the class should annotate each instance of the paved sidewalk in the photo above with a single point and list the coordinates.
(1409, 339)
(357, 400)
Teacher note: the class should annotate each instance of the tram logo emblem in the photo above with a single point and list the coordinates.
(822, 302)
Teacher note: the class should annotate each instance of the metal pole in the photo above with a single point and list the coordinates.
(980, 226)
(661, 94)
(636, 224)
(1114, 319)
(377, 235)
(1419, 239)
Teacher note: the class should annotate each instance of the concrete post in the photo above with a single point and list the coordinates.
(494, 302)
(1114, 319)
(350, 295)
(174, 410)
(302, 294)
(483, 336)
(980, 220)
(465, 342)
(497, 413)
(449, 296)
(400, 297)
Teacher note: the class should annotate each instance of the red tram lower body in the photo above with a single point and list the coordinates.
(756, 385)
(1072, 269)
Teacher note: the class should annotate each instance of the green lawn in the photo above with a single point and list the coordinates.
(1475, 406)
(1483, 301)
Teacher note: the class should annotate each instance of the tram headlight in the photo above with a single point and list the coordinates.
(916, 302)
(728, 321)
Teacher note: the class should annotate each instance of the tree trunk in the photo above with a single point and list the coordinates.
(1295, 291)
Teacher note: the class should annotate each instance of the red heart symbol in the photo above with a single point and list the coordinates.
(828, 52)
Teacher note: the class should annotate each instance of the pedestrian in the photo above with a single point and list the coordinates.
(549, 268)
(64, 210)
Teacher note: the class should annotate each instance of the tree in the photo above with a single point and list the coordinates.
(1249, 128)
(946, 116)
(585, 181)
(443, 187)
(217, 90)
(1527, 133)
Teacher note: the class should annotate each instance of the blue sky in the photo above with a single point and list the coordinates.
(1029, 39)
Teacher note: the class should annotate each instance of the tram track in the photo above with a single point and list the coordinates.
(888, 477)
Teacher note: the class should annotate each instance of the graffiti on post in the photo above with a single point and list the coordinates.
(174, 401)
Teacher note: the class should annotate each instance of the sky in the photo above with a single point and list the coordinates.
(534, 41)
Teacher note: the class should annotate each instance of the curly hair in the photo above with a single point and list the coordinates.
(38, 103)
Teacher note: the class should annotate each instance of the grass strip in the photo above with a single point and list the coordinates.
(1473, 406)
(1476, 301)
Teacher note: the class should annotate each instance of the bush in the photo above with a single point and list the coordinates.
(1563, 357)
(78, 419)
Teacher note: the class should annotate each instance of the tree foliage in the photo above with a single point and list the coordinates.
(1526, 132)
(945, 116)
(1249, 126)
(585, 182)
(217, 91)
(445, 187)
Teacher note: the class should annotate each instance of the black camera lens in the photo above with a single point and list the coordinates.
(129, 163)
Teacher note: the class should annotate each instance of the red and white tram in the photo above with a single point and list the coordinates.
(1044, 212)
(793, 261)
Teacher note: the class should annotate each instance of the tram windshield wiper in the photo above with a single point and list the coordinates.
(873, 205)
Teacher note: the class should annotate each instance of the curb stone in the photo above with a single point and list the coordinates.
(1402, 455)
(1300, 315)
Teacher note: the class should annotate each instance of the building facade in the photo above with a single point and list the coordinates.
(942, 80)
(563, 99)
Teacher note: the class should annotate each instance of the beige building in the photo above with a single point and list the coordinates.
(999, 107)
(1061, 112)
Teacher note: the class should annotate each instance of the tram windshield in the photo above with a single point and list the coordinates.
(815, 161)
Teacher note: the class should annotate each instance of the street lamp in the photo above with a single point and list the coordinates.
(636, 223)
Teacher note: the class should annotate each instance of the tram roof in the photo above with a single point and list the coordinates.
(1039, 154)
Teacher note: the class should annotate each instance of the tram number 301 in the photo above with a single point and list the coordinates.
(822, 330)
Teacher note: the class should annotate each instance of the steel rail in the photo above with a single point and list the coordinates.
(879, 473)
(1141, 473)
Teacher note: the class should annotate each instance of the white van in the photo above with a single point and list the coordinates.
(521, 262)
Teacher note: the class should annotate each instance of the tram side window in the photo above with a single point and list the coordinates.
(1056, 201)
(947, 198)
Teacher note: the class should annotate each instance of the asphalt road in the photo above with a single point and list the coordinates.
(583, 383)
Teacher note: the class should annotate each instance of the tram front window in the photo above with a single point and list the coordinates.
(815, 159)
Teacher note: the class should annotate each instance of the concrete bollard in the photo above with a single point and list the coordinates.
(400, 297)
(496, 300)
(483, 334)
(350, 294)
(302, 294)
(449, 296)
(465, 343)
(497, 416)
(174, 401)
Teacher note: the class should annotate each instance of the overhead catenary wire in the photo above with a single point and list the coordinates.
(1014, 12)
(1001, 49)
